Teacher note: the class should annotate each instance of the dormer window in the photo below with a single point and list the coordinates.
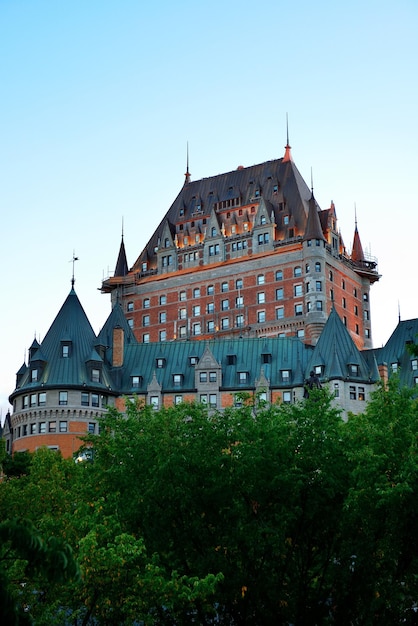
(263, 219)
(177, 379)
(231, 359)
(285, 376)
(65, 349)
(193, 360)
(34, 375)
(136, 382)
(318, 370)
(160, 363)
(167, 243)
(242, 378)
(266, 357)
(144, 266)
(354, 369)
(95, 375)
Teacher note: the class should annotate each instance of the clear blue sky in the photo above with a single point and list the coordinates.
(98, 100)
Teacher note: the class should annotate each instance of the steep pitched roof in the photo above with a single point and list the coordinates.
(357, 253)
(336, 351)
(71, 326)
(277, 181)
(396, 354)
(121, 268)
(313, 228)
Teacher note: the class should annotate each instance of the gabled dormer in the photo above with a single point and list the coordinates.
(264, 228)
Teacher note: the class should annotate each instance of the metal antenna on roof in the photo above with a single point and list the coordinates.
(73, 260)
(355, 215)
(287, 154)
(122, 227)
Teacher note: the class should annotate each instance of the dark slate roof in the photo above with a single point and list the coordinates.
(71, 325)
(336, 351)
(396, 351)
(240, 183)
(234, 355)
(313, 228)
(357, 253)
(121, 268)
(115, 319)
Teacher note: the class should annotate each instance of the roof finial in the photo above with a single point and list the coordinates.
(311, 180)
(287, 154)
(187, 174)
(399, 311)
(73, 260)
(355, 215)
(122, 227)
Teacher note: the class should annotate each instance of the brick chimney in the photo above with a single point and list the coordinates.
(118, 344)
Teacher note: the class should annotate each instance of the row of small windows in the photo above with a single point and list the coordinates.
(41, 428)
(39, 399)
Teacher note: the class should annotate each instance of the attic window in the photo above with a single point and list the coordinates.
(136, 381)
(242, 377)
(257, 193)
(34, 375)
(354, 369)
(266, 357)
(95, 375)
(318, 369)
(231, 359)
(285, 375)
(181, 212)
(177, 379)
(160, 363)
(275, 188)
(166, 242)
(193, 360)
(263, 219)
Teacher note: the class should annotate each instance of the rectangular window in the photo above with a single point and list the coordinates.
(92, 428)
(239, 302)
(162, 335)
(85, 398)
(63, 398)
(196, 311)
(298, 290)
(196, 328)
(162, 317)
(287, 397)
(224, 287)
(65, 351)
(353, 394)
(178, 399)
(361, 394)
(95, 375)
(318, 285)
(298, 309)
(146, 303)
(177, 379)
(145, 320)
(239, 321)
(285, 376)
(414, 364)
(263, 238)
(203, 377)
(261, 297)
(130, 307)
(163, 299)
(318, 305)
(336, 390)
(42, 398)
(224, 323)
(182, 332)
(212, 400)
(135, 382)
(279, 313)
(33, 399)
(154, 402)
(212, 377)
(182, 296)
(242, 377)
(63, 426)
(196, 292)
(33, 429)
(261, 316)
(210, 290)
(210, 326)
(95, 399)
(182, 314)
(145, 338)
(52, 427)
(225, 305)
(42, 427)
(279, 293)
(210, 307)
(260, 279)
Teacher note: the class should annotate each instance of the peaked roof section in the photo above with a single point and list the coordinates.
(116, 319)
(395, 353)
(313, 228)
(336, 352)
(121, 268)
(277, 181)
(72, 327)
(357, 253)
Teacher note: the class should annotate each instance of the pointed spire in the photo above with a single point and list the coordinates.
(187, 174)
(121, 268)
(73, 260)
(357, 253)
(313, 229)
(287, 155)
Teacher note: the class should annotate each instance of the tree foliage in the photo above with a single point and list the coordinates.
(278, 514)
